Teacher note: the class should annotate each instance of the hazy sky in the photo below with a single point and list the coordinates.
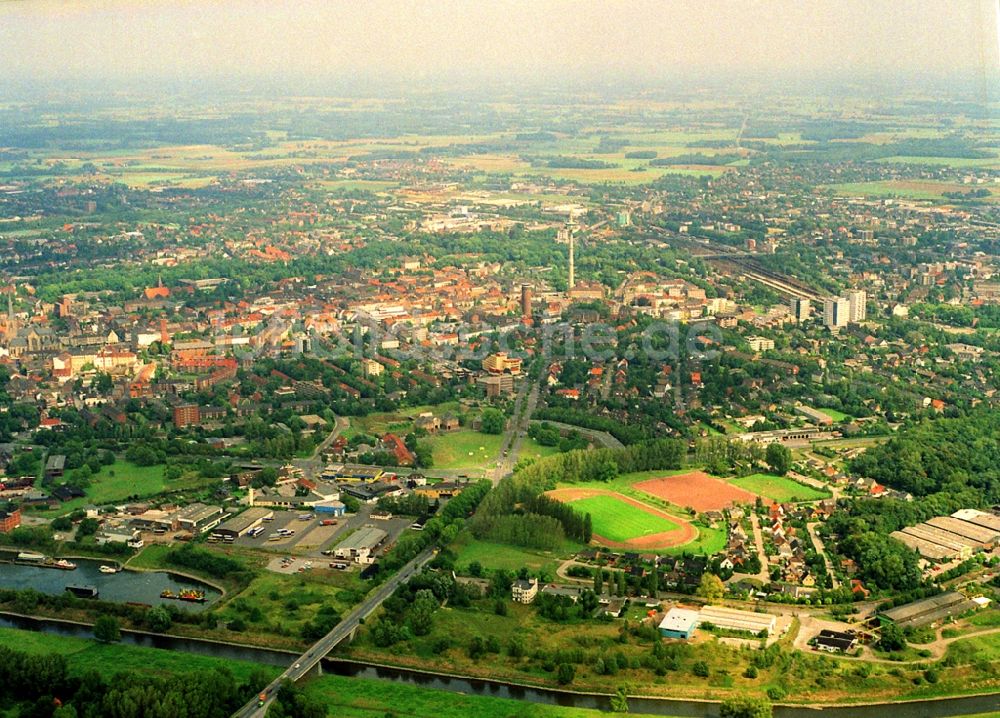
(46, 39)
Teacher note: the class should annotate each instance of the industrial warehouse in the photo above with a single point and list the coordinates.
(360, 544)
(946, 538)
(735, 620)
(681, 622)
(929, 610)
(242, 523)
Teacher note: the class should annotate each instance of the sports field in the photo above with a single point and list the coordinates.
(835, 414)
(624, 522)
(780, 488)
(619, 521)
(697, 490)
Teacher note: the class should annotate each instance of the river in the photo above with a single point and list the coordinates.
(944, 708)
(124, 586)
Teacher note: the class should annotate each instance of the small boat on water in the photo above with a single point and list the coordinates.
(63, 564)
(186, 594)
(83, 591)
(108, 569)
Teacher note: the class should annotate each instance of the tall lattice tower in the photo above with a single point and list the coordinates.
(572, 264)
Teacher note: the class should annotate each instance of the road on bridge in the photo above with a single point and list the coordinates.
(308, 660)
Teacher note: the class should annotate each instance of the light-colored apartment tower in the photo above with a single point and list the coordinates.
(858, 299)
(836, 313)
(801, 309)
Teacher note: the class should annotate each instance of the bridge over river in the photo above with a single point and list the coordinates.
(311, 658)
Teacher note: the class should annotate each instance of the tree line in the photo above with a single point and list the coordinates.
(516, 512)
(43, 686)
(442, 529)
(626, 434)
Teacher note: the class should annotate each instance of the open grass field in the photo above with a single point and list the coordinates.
(709, 542)
(356, 185)
(287, 602)
(779, 488)
(531, 449)
(464, 449)
(395, 421)
(696, 489)
(123, 480)
(629, 523)
(623, 483)
(618, 520)
(510, 558)
(981, 648)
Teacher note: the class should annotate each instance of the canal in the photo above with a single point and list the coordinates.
(123, 587)
(943, 708)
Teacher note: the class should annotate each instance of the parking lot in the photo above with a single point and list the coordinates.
(310, 537)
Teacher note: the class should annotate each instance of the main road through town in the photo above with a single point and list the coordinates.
(510, 447)
(305, 663)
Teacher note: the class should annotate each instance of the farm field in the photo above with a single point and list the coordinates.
(949, 161)
(464, 449)
(622, 171)
(909, 189)
(697, 490)
(617, 520)
(629, 523)
(779, 488)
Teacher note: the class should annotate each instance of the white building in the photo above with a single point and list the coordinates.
(857, 300)
(524, 591)
(760, 344)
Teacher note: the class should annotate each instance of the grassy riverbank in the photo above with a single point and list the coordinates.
(344, 697)
(527, 648)
(108, 659)
(367, 698)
